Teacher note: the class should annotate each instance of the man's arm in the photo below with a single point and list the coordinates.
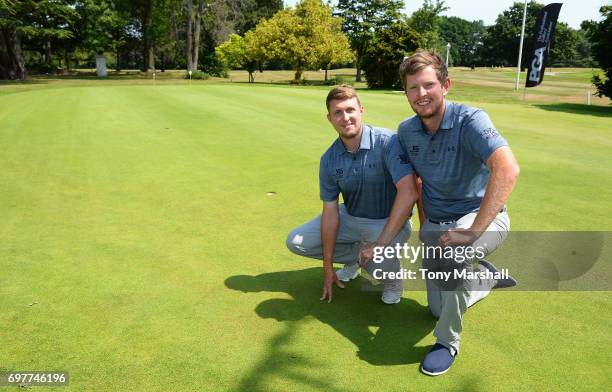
(330, 221)
(406, 196)
(420, 208)
(504, 171)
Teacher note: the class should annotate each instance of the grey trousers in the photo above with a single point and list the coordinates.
(448, 304)
(353, 233)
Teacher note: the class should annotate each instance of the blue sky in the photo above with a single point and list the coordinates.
(572, 12)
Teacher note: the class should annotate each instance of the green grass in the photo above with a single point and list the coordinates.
(140, 250)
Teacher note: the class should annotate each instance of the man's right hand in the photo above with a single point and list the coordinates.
(328, 283)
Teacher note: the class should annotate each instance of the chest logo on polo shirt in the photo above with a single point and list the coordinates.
(414, 150)
(450, 148)
(339, 172)
(489, 133)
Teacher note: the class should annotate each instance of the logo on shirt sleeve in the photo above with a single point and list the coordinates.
(489, 133)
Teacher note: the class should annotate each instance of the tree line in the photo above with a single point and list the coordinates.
(214, 35)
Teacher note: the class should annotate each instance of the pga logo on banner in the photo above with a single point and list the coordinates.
(542, 36)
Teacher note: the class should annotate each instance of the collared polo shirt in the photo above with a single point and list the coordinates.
(366, 178)
(451, 162)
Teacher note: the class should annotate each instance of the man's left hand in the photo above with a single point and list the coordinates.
(458, 237)
(366, 254)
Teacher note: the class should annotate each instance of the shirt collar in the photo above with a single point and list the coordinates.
(364, 144)
(449, 115)
(448, 120)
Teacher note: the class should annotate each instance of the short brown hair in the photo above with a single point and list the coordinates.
(342, 92)
(421, 59)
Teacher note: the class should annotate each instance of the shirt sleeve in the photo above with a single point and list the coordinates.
(480, 136)
(396, 160)
(328, 187)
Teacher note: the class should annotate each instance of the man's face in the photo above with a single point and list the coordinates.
(425, 93)
(345, 116)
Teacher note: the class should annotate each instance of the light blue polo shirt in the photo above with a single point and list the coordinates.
(452, 162)
(366, 178)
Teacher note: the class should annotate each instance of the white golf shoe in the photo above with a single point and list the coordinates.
(348, 272)
(392, 291)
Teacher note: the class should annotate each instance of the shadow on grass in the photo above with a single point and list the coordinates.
(384, 335)
(575, 108)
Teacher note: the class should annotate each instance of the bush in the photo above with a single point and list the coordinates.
(382, 59)
(339, 79)
(198, 75)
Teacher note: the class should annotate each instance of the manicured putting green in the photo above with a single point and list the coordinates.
(143, 246)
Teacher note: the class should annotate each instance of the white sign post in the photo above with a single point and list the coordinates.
(100, 66)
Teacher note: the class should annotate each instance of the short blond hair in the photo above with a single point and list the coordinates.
(421, 59)
(342, 92)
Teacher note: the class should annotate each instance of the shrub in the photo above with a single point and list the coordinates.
(198, 75)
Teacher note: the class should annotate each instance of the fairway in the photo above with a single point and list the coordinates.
(143, 245)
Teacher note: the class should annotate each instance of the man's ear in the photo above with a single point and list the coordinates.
(446, 86)
(329, 117)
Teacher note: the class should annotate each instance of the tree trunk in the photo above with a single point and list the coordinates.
(189, 43)
(358, 66)
(298, 74)
(11, 61)
(326, 68)
(67, 59)
(147, 55)
(196, 33)
(48, 53)
(118, 59)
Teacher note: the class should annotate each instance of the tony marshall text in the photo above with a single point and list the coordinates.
(424, 273)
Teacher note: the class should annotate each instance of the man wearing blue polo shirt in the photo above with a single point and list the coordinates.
(467, 171)
(366, 165)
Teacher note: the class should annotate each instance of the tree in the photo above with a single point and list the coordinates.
(39, 24)
(102, 27)
(194, 28)
(501, 43)
(563, 53)
(465, 38)
(11, 30)
(426, 20)
(361, 19)
(382, 59)
(233, 53)
(600, 35)
(299, 37)
(502, 40)
(253, 11)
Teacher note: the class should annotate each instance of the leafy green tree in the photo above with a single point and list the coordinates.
(426, 20)
(39, 24)
(102, 26)
(361, 19)
(234, 55)
(501, 43)
(382, 59)
(563, 53)
(465, 38)
(252, 12)
(299, 37)
(11, 31)
(600, 35)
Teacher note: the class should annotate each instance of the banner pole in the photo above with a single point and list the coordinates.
(518, 66)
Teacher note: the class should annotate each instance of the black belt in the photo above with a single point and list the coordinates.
(454, 220)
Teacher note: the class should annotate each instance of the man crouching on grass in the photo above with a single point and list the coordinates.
(366, 165)
(468, 171)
